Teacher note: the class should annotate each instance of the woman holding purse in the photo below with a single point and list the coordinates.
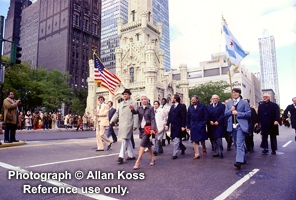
(147, 126)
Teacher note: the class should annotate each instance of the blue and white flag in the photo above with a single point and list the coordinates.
(234, 50)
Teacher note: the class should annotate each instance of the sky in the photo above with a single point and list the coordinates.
(195, 33)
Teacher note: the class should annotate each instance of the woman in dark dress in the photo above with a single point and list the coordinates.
(146, 118)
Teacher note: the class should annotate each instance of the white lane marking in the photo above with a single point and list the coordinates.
(231, 189)
(74, 160)
(285, 145)
(57, 183)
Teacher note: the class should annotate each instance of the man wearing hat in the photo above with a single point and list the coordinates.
(237, 113)
(127, 124)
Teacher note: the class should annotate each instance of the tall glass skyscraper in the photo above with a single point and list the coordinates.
(268, 64)
(112, 11)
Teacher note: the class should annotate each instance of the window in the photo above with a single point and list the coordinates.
(132, 72)
(133, 15)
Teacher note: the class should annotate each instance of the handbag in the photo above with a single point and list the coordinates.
(147, 129)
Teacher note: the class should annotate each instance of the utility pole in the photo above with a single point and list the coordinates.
(1, 43)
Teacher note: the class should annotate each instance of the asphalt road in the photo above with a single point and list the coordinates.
(63, 156)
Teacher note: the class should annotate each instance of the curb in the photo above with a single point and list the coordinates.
(3, 145)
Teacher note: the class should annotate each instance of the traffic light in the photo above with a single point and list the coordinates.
(15, 54)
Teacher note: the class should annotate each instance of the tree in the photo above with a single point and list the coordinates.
(79, 101)
(36, 87)
(206, 90)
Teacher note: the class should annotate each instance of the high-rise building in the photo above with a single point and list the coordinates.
(115, 10)
(56, 34)
(268, 64)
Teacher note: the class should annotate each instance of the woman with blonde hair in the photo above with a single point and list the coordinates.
(146, 119)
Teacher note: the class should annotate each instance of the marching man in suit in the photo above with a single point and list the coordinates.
(292, 109)
(238, 112)
(102, 121)
(110, 115)
(215, 125)
(177, 120)
(127, 123)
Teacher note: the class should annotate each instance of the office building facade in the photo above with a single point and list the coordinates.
(115, 10)
(57, 35)
(268, 64)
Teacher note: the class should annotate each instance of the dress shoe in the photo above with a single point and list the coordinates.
(196, 157)
(160, 152)
(295, 137)
(238, 165)
(265, 152)
(155, 153)
(114, 141)
(100, 150)
(152, 163)
(15, 141)
(183, 152)
(120, 160)
(216, 155)
(204, 153)
(129, 158)
(221, 155)
(109, 147)
(174, 157)
(136, 166)
(273, 152)
(6, 141)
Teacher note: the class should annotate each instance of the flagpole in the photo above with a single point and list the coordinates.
(230, 83)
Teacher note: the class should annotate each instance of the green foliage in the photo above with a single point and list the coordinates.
(41, 88)
(206, 90)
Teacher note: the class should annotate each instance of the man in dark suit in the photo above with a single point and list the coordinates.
(269, 118)
(177, 120)
(216, 125)
(110, 115)
(238, 112)
(252, 121)
(292, 109)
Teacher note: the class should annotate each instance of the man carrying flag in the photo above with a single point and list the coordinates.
(237, 111)
(103, 76)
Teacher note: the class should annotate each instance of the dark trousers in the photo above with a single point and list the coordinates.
(249, 142)
(228, 138)
(273, 142)
(111, 132)
(10, 130)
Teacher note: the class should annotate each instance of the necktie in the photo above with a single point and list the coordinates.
(214, 105)
(235, 101)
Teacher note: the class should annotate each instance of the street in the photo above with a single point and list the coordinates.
(55, 164)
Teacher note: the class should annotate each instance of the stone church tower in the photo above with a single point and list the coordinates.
(139, 61)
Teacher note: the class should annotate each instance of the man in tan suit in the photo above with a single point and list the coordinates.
(10, 117)
(102, 119)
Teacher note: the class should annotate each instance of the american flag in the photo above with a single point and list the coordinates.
(103, 76)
